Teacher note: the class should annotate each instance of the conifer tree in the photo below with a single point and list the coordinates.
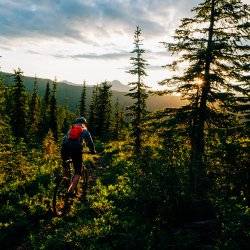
(138, 91)
(83, 101)
(44, 125)
(53, 112)
(92, 119)
(34, 112)
(19, 107)
(4, 131)
(46, 99)
(65, 125)
(214, 46)
(104, 111)
(117, 120)
(2, 101)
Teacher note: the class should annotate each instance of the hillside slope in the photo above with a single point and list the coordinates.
(69, 94)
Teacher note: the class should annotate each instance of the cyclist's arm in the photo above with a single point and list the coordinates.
(86, 136)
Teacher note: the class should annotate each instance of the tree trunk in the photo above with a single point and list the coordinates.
(197, 139)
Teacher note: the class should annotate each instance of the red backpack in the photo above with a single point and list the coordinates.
(75, 132)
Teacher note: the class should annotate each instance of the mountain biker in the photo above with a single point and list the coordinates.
(72, 148)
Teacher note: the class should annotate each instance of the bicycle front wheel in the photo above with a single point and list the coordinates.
(61, 197)
(85, 179)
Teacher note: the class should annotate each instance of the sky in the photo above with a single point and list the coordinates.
(90, 40)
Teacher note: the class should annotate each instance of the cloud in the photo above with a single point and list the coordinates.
(76, 19)
(5, 48)
(106, 56)
(110, 56)
(155, 67)
(33, 52)
(149, 67)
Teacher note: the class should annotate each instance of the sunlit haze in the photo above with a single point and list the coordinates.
(88, 40)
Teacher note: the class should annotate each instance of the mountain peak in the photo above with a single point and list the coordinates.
(118, 86)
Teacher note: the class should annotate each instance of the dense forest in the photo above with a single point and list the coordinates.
(172, 178)
(69, 94)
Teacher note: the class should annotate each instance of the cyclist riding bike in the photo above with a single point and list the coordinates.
(72, 148)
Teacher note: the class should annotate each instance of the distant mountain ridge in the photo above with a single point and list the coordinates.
(118, 86)
(68, 93)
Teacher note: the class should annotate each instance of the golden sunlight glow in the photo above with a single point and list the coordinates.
(199, 81)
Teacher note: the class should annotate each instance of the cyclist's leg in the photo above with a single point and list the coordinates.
(77, 163)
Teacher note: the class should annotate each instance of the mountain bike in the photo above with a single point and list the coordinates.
(62, 199)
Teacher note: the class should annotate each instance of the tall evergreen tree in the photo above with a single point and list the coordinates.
(214, 46)
(83, 101)
(19, 107)
(104, 111)
(53, 112)
(4, 128)
(46, 99)
(93, 111)
(34, 112)
(138, 90)
(44, 125)
(117, 120)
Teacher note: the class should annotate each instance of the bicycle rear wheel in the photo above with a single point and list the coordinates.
(85, 179)
(61, 198)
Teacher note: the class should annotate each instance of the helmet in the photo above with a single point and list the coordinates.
(80, 120)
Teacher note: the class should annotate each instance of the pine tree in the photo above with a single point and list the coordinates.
(19, 107)
(34, 113)
(53, 112)
(46, 99)
(83, 101)
(92, 123)
(138, 91)
(214, 46)
(4, 127)
(117, 120)
(45, 110)
(104, 111)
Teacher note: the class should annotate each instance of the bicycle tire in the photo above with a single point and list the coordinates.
(85, 179)
(60, 203)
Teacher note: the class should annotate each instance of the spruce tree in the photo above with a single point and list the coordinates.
(104, 111)
(53, 112)
(83, 101)
(92, 119)
(138, 91)
(212, 67)
(44, 125)
(19, 107)
(117, 120)
(34, 113)
(46, 99)
(4, 127)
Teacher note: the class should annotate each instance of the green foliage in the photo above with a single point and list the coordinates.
(26, 189)
(82, 108)
(103, 111)
(34, 115)
(53, 113)
(45, 109)
(143, 202)
(18, 113)
(138, 91)
(213, 46)
(234, 215)
(92, 119)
